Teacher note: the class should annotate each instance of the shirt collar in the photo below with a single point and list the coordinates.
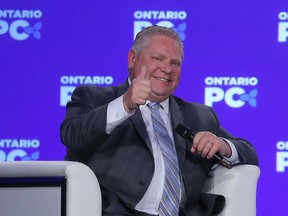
(164, 104)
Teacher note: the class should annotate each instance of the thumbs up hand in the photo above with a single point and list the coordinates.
(138, 92)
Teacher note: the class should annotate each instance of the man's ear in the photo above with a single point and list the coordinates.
(131, 58)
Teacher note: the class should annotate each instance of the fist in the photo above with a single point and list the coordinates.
(207, 144)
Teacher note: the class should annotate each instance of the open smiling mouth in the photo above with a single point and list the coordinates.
(161, 79)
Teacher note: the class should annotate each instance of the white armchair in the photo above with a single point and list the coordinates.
(83, 196)
(238, 185)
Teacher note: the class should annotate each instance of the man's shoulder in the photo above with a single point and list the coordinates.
(188, 104)
(93, 89)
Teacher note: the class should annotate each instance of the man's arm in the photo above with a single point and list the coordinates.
(85, 122)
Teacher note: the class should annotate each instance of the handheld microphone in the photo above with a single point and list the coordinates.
(186, 133)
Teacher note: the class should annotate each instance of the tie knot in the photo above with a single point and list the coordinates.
(153, 105)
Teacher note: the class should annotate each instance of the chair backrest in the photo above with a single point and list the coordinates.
(238, 185)
(82, 191)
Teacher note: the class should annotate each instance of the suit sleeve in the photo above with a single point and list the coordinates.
(85, 121)
(246, 152)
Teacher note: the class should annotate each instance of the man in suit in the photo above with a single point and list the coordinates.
(111, 130)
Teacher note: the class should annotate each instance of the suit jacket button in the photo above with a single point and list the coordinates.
(141, 182)
(129, 205)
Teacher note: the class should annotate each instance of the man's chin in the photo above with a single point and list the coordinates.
(158, 97)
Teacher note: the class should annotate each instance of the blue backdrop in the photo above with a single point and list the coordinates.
(235, 61)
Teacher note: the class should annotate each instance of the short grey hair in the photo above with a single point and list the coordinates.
(143, 37)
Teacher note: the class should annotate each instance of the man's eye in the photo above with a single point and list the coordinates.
(176, 64)
(156, 58)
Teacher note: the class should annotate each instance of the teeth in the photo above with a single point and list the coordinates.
(162, 79)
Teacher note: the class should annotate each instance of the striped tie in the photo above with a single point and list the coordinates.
(169, 204)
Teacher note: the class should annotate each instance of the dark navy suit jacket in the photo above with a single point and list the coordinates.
(123, 160)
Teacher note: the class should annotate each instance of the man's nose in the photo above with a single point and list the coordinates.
(166, 67)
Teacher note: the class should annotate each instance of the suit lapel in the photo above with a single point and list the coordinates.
(140, 127)
(177, 118)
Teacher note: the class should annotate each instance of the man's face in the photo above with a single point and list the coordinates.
(163, 58)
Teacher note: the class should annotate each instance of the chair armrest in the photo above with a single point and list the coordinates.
(238, 185)
(83, 196)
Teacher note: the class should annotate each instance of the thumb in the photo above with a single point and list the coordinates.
(143, 73)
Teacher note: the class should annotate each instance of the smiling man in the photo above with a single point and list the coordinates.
(126, 135)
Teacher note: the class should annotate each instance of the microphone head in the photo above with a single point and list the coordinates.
(184, 132)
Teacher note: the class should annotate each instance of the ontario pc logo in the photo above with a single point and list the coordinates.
(21, 24)
(234, 91)
(169, 19)
(19, 149)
